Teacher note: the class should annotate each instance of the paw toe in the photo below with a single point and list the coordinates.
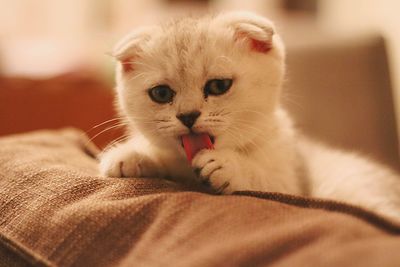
(210, 168)
(202, 158)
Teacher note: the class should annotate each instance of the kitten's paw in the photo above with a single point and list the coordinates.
(117, 163)
(219, 169)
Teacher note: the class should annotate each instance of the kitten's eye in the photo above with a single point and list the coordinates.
(161, 94)
(217, 86)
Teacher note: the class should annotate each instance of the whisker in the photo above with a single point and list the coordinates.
(250, 142)
(250, 110)
(294, 100)
(105, 130)
(216, 113)
(100, 124)
(162, 120)
(107, 121)
(213, 120)
(226, 113)
(117, 140)
(236, 140)
(136, 76)
(249, 125)
(164, 127)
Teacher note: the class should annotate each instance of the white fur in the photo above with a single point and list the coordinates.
(256, 146)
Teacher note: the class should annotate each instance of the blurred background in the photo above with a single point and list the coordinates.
(343, 84)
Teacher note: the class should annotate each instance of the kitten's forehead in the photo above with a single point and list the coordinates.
(190, 50)
(186, 35)
(187, 41)
(186, 50)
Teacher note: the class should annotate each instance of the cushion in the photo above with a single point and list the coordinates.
(56, 210)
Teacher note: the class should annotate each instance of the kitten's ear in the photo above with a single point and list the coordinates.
(254, 30)
(128, 49)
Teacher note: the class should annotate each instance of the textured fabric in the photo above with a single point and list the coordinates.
(55, 210)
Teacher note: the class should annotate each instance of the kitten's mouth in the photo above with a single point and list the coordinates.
(193, 143)
(194, 135)
(212, 139)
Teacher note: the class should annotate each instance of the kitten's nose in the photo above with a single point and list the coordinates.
(188, 119)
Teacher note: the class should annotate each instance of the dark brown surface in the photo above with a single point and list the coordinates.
(57, 211)
(78, 101)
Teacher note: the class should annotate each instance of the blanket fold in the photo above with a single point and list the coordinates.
(56, 210)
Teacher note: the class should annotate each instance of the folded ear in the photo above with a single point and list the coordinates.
(254, 30)
(126, 50)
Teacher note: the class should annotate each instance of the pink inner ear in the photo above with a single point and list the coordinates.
(256, 45)
(127, 64)
(260, 46)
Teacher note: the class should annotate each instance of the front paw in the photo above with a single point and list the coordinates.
(218, 169)
(122, 163)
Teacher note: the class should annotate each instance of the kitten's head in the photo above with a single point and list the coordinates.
(219, 75)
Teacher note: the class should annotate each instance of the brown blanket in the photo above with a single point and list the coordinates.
(55, 210)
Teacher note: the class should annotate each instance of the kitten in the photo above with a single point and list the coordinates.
(222, 76)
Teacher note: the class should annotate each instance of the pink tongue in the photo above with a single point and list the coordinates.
(193, 143)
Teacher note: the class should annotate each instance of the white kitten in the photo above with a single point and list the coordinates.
(222, 76)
